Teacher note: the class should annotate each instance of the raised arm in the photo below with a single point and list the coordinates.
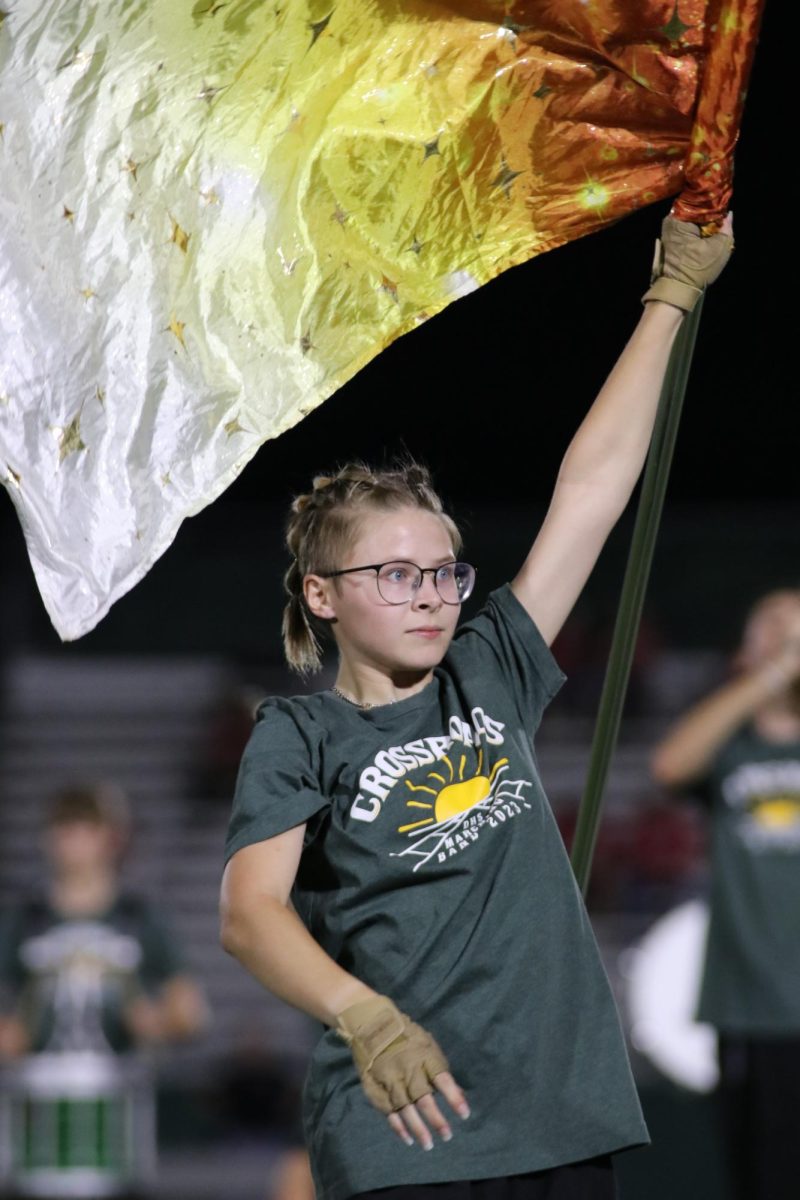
(606, 455)
(691, 745)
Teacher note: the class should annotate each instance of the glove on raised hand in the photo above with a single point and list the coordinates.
(396, 1059)
(685, 263)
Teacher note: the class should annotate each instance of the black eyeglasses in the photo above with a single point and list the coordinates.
(398, 582)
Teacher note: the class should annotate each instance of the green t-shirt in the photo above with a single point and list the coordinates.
(434, 871)
(71, 978)
(751, 982)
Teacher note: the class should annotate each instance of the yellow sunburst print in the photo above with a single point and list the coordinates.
(780, 812)
(453, 796)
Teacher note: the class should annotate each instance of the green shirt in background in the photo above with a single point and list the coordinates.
(70, 978)
(751, 982)
(434, 871)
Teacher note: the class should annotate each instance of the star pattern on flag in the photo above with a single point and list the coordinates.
(505, 178)
(179, 237)
(675, 28)
(176, 328)
(70, 440)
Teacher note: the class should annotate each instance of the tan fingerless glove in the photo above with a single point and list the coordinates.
(685, 263)
(396, 1059)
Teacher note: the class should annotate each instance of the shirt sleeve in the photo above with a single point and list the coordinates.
(278, 783)
(503, 640)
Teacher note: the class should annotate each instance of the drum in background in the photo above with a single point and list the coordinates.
(662, 974)
(76, 1125)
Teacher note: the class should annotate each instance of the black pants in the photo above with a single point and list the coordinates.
(759, 1094)
(589, 1180)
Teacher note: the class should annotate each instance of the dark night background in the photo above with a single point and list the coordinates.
(488, 394)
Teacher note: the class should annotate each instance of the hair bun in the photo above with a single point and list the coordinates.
(301, 503)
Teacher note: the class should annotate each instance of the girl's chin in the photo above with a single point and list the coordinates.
(419, 664)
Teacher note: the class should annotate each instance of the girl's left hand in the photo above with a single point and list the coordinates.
(687, 262)
(415, 1121)
(400, 1065)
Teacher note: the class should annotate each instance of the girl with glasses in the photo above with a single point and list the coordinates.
(394, 869)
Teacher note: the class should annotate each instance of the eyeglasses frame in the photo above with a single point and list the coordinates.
(377, 567)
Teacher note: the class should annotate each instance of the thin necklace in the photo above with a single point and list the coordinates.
(356, 703)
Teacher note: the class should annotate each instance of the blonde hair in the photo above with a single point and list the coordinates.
(322, 525)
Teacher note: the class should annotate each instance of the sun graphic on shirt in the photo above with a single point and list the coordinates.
(453, 795)
(779, 812)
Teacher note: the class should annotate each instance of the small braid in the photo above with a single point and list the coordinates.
(321, 526)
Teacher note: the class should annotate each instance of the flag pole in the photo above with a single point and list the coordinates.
(634, 586)
(704, 200)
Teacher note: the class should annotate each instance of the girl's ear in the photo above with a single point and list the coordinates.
(319, 596)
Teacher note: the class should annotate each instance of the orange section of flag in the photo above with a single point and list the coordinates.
(731, 36)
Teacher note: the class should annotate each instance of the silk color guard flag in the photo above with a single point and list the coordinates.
(213, 214)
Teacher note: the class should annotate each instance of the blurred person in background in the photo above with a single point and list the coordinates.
(85, 965)
(739, 752)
